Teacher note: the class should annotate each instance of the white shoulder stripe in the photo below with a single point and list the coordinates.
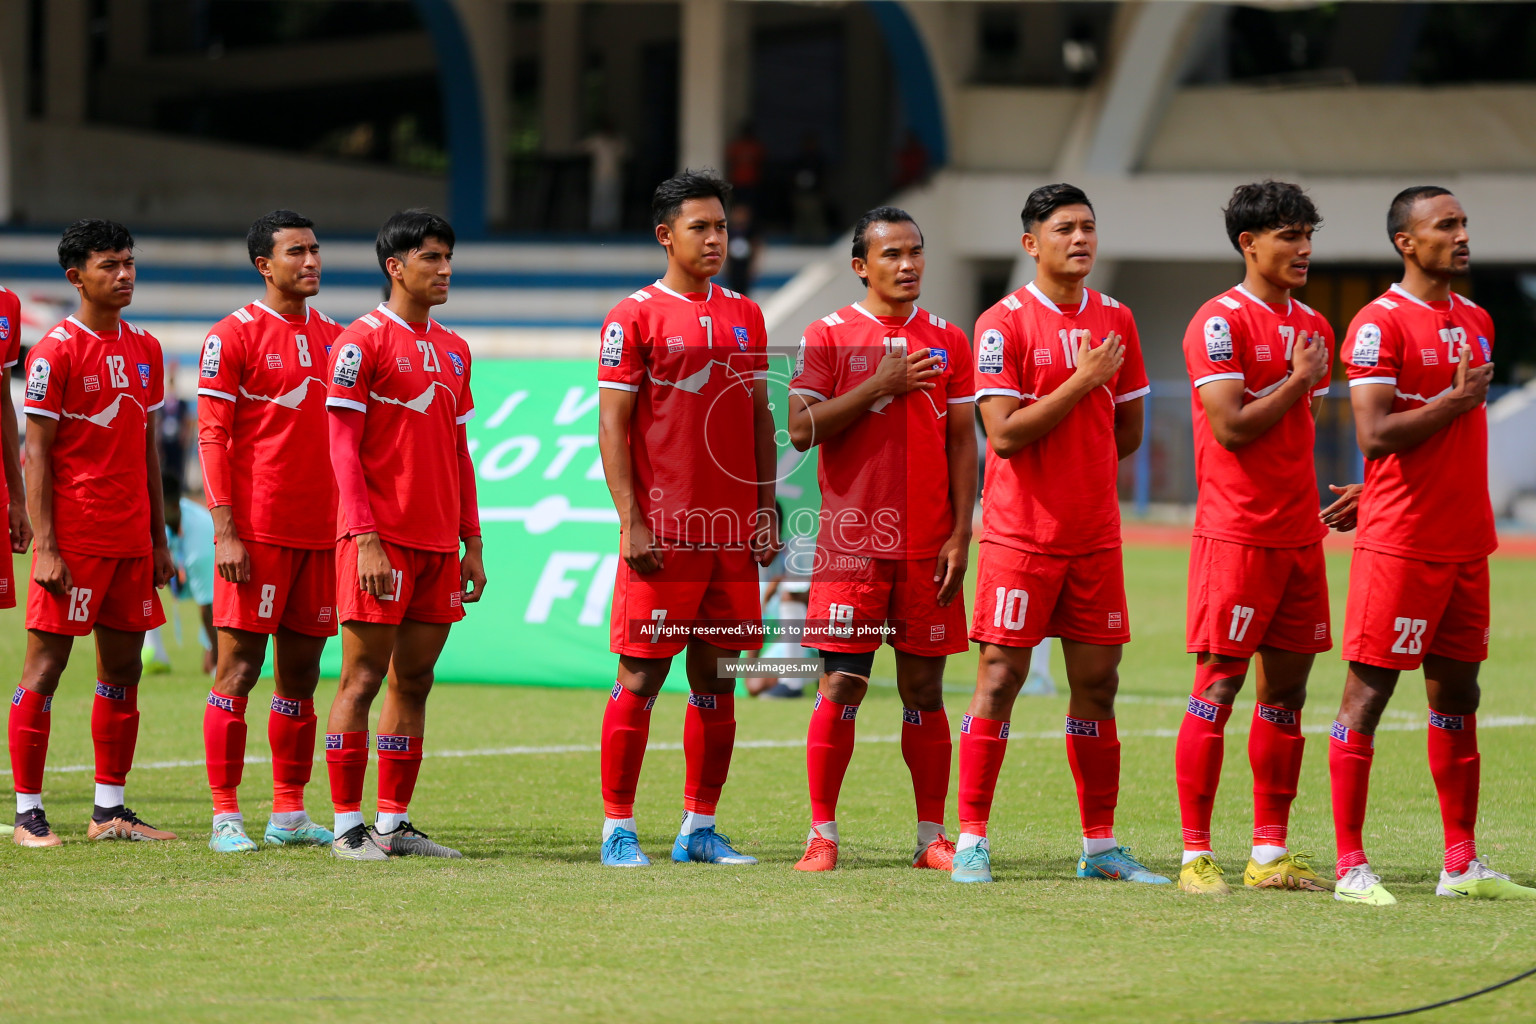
(1112, 303)
(371, 320)
(1304, 307)
(831, 319)
(1228, 301)
(1386, 303)
(1011, 302)
(59, 333)
(1463, 299)
(243, 316)
(640, 296)
(327, 319)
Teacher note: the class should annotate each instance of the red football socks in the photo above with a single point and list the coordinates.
(291, 733)
(828, 749)
(346, 760)
(1456, 766)
(1349, 773)
(1197, 767)
(224, 749)
(626, 728)
(27, 731)
(928, 751)
(114, 731)
(399, 765)
(709, 737)
(983, 745)
(1093, 751)
(1275, 745)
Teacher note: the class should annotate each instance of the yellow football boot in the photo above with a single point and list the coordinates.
(1290, 871)
(1202, 876)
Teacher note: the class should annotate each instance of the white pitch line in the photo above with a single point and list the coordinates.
(1493, 722)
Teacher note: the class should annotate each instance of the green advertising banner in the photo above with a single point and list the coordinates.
(551, 532)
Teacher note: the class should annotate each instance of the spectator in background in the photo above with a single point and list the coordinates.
(189, 528)
(177, 423)
(911, 162)
(744, 157)
(808, 201)
(743, 250)
(608, 151)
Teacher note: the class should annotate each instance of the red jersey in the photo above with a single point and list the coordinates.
(692, 361)
(1057, 496)
(1265, 493)
(885, 478)
(1429, 502)
(267, 371)
(10, 348)
(101, 388)
(412, 381)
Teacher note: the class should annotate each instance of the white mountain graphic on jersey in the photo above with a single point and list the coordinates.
(288, 400)
(421, 403)
(880, 404)
(694, 383)
(107, 415)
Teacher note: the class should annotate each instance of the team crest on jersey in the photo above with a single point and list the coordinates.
(458, 364)
(741, 337)
(1482, 343)
(989, 353)
(347, 364)
(1367, 346)
(5, 328)
(144, 369)
(800, 358)
(675, 344)
(613, 344)
(1218, 339)
(942, 355)
(37, 380)
(212, 349)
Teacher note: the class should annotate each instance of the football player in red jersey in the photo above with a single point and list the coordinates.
(1258, 359)
(262, 437)
(95, 384)
(687, 441)
(885, 389)
(399, 397)
(18, 527)
(1419, 360)
(1061, 386)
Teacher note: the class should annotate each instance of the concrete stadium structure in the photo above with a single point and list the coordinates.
(170, 115)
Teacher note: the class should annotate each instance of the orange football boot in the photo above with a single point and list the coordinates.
(939, 855)
(820, 855)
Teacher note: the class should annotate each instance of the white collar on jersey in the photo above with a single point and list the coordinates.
(1260, 302)
(74, 320)
(381, 308)
(1048, 304)
(262, 305)
(1399, 290)
(876, 319)
(678, 295)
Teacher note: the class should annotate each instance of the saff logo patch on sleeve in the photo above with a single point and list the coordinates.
(1367, 346)
(989, 354)
(37, 380)
(347, 364)
(213, 349)
(1218, 339)
(800, 358)
(613, 344)
(741, 338)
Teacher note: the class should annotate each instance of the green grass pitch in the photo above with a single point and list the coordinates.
(528, 926)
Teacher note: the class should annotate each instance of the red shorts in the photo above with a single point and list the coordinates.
(118, 593)
(428, 587)
(709, 595)
(1401, 609)
(1022, 597)
(854, 600)
(7, 578)
(290, 587)
(1242, 598)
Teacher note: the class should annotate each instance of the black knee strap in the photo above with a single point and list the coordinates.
(850, 664)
